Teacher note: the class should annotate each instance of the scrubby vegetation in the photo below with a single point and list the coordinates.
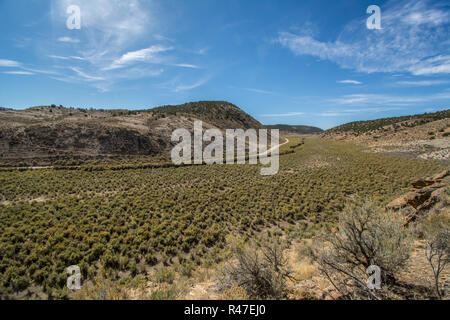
(51, 135)
(360, 127)
(140, 219)
(437, 233)
(260, 270)
(294, 129)
(366, 236)
(215, 112)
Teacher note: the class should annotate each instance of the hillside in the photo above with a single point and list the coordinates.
(424, 136)
(361, 127)
(51, 133)
(294, 129)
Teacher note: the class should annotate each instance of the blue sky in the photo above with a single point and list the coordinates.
(296, 62)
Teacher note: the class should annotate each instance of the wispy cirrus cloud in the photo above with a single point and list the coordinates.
(349, 82)
(66, 58)
(118, 41)
(85, 75)
(422, 83)
(412, 39)
(349, 112)
(288, 114)
(185, 87)
(202, 51)
(5, 63)
(186, 65)
(144, 55)
(9, 63)
(376, 99)
(68, 40)
(259, 91)
(26, 73)
(364, 100)
(435, 65)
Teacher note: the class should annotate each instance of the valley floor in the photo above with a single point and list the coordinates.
(141, 225)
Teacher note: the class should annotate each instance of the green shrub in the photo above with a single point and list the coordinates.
(164, 275)
(367, 235)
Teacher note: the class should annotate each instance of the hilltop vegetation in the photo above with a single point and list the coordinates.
(360, 127)
(424, 136)
(44, 135)
(132, 222)
(290, 129)
(219, 113)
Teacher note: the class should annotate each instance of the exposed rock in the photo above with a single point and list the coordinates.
(415, 198)
(428, 192)
(436, 196)
(421, 183)
(441, 175)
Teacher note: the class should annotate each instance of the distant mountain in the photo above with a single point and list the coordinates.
(286, 129)
(52, 132)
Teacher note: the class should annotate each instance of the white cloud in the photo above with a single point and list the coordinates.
(109, 28)
(68, 40)
(144, 55)
(118, 41)
(349, 82)
(184, 87)
(202, 51)
(289, 114)
(34, 70)
(163, 38)
(432, 16)
(66, 58)
(377, 99)
(87, 77)
(25, 70)
(332, 114)
(435, 65)
(412, 39)
(421, 83)
(389, 101)
(259, 91)
(19, 72)
(9, 63)
(106, 23)
(185, 65)
(348, 112)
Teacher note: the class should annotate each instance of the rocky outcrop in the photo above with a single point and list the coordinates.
(441, 175)
(421, 183)
(426, 193)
